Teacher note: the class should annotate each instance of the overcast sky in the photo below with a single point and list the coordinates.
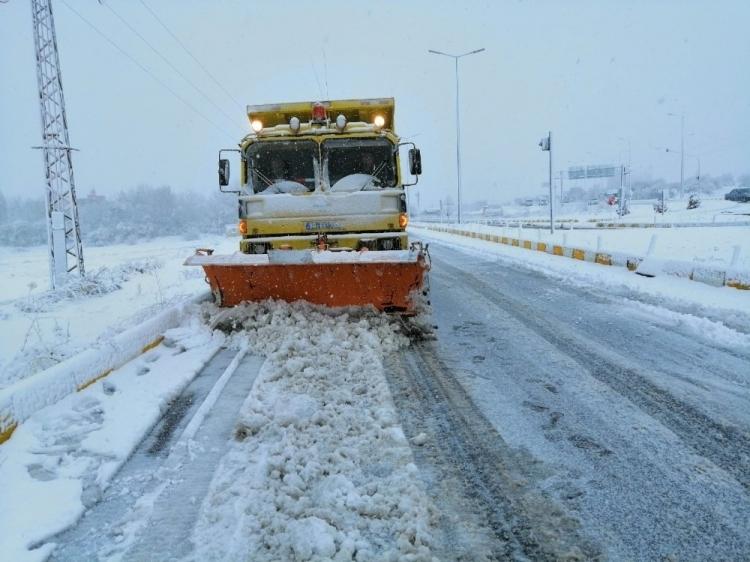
(593, 72)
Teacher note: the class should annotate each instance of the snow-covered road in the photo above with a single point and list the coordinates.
(626, 417)
(290, 451)
(547, 420)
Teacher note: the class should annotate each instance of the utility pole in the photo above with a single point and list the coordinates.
(63, 229)
(458, 124)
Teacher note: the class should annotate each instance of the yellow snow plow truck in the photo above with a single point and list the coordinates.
(322, 209)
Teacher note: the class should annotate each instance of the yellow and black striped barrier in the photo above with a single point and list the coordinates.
(729, 278)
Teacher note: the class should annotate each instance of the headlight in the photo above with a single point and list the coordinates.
(257, 125)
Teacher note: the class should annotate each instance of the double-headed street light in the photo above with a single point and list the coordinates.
(458, 124)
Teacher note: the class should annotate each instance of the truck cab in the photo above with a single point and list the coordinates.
(322, 173)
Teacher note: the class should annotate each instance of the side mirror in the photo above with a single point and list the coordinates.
(223, 172)
(415, 161)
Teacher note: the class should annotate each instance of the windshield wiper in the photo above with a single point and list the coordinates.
(374, 174)
(263, 177)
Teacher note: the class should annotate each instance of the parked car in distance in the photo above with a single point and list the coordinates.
(741, 194)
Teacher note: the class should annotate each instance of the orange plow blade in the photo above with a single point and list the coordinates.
(389, 281)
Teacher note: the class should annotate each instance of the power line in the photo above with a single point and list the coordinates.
(315, 72)
(147, 71)
(325, 71)
(192, 56)
(169, 63)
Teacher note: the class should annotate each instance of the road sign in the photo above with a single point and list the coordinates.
(576, 173)
(582, 172)
(607, 171)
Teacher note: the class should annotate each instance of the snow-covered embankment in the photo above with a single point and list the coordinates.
(21, 400)
(63, 456)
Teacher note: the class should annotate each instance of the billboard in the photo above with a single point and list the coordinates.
(582, 172)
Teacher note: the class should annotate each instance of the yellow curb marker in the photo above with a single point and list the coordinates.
(576, 253)
(6, 433)
(152, 345)
(738, 285)
(97, 378)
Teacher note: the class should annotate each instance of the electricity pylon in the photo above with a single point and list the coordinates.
(63, 229)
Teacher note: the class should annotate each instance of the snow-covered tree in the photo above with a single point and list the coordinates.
(3, 209)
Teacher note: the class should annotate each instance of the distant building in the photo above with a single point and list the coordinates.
(92, 198)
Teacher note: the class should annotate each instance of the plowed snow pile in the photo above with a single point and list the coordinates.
(320, 468)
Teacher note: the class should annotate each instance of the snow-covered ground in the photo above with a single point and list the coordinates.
(312, 462)
(60, 460)
(713, 208)
(125, 284)
(708, 245)
(722, 303)
(315, 466)
(320, 405)
(715, 244)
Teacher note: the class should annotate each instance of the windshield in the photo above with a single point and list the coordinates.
(359, 164)
(282, 166)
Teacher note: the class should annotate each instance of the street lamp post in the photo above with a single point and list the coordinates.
(682, 150)
(630, 152)
(458, 124)
(627, 172)
(546, 144)
(682, 159)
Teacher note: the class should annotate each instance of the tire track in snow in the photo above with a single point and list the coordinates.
(496, 515)
(725, 445)
(151, 504)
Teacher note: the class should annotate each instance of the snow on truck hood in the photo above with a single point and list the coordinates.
(304, 257)
(318, 204)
